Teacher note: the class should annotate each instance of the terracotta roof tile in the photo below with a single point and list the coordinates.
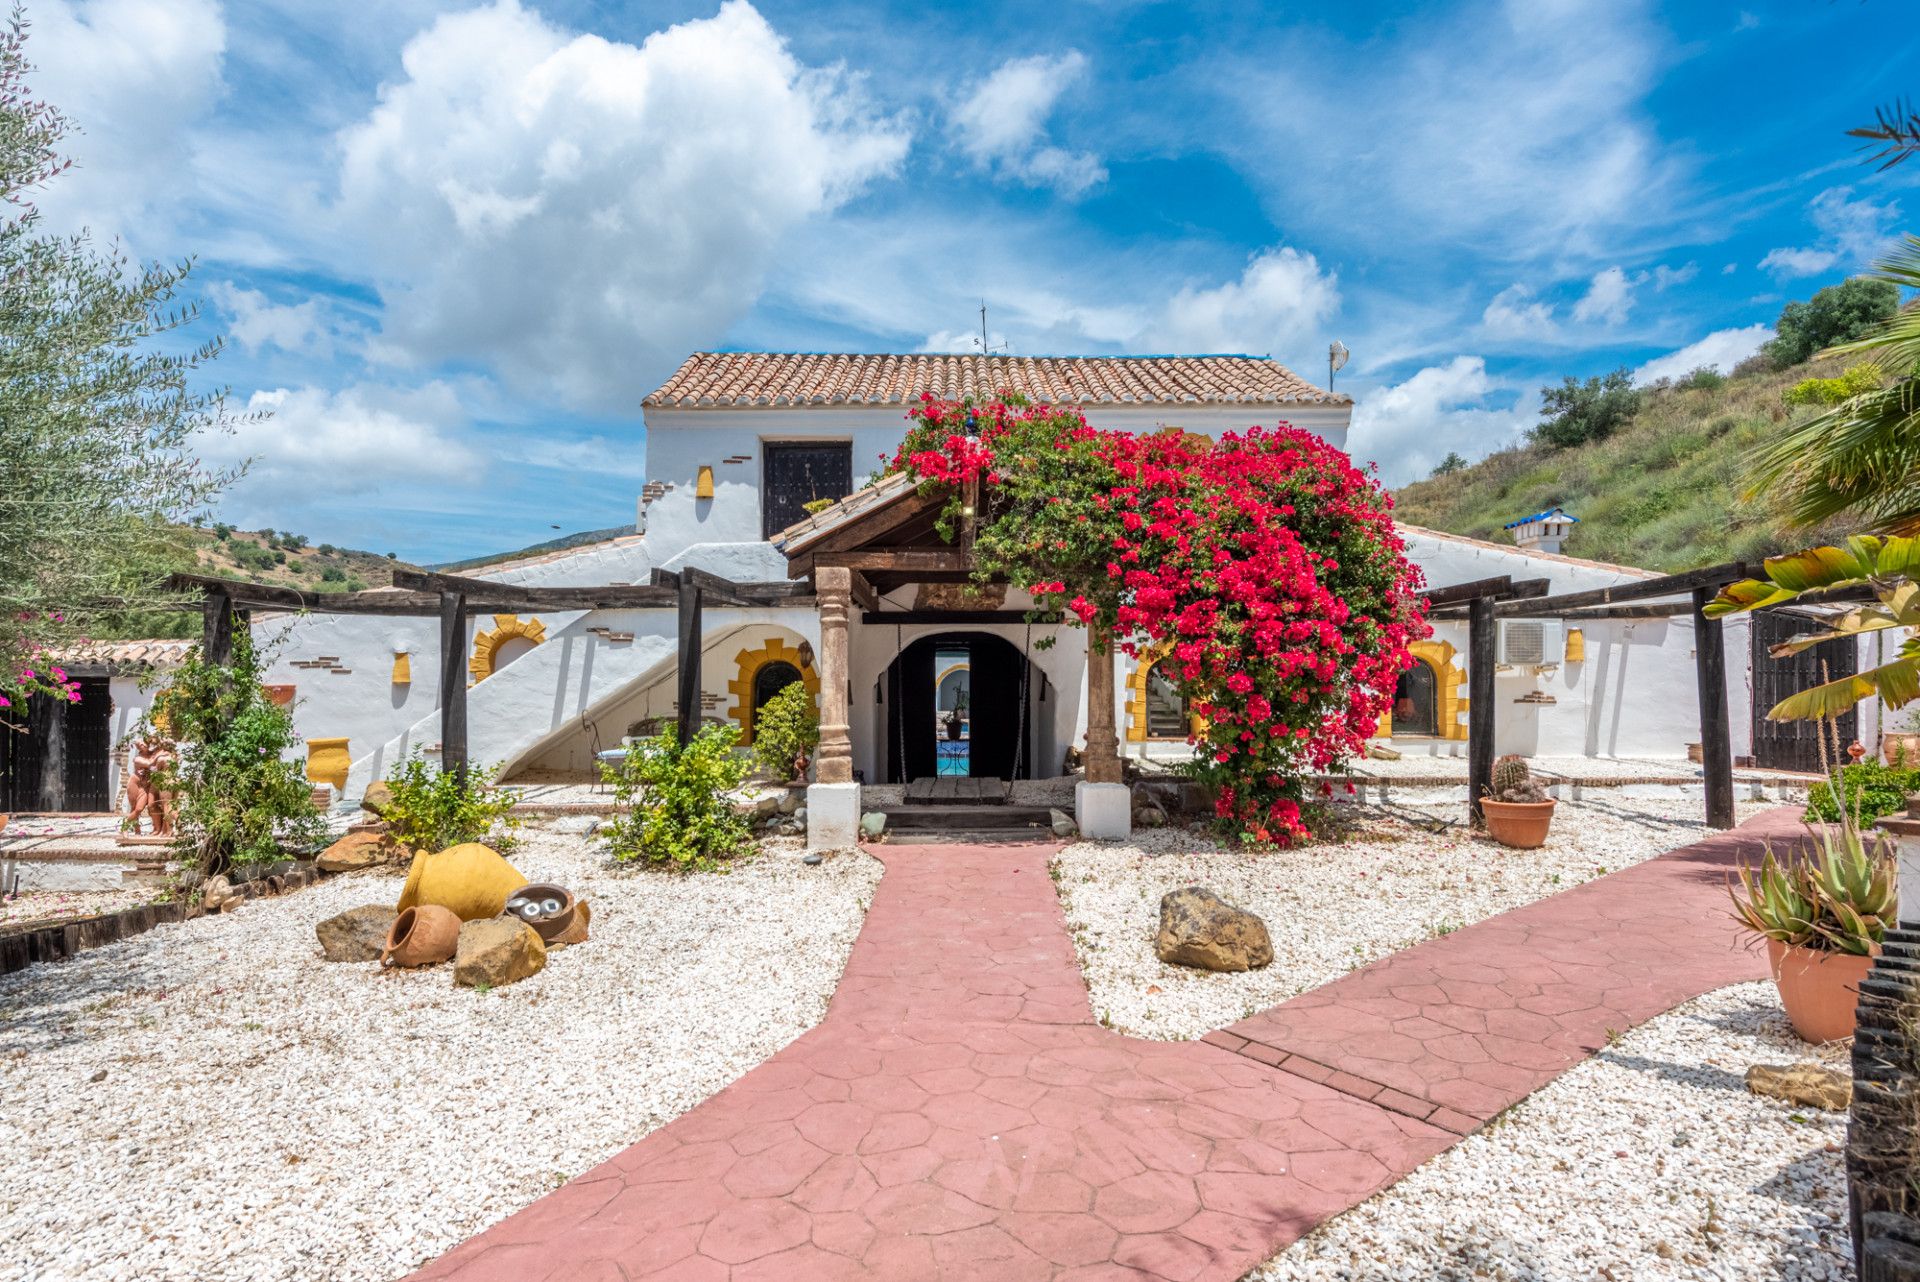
(121, 656)
(717, 380)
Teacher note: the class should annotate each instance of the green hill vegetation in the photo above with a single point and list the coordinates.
(1657, 475)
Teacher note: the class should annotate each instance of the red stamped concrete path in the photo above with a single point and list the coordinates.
(958, 1114)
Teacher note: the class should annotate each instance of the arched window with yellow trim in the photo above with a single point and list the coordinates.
(764, 672)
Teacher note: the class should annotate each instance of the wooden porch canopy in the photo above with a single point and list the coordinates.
(453, 597)
(1642, 600)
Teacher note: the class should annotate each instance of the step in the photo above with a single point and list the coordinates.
(971, 837)
(953, 818)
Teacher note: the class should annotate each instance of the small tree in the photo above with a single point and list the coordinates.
(431, 809)
(97, 411)
(786, 730)
(1452, 463)
(1577, 412)
(1835, 315)
(238, 798)
(673, 807)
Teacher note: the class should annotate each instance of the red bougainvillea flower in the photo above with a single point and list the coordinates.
(1261, 572)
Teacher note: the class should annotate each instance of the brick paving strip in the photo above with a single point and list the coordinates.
(958, 1114)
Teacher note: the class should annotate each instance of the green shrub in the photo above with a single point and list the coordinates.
(673, 808)
(1577, 412)
(238, 799)
(785, 730)
(1703, 378)
(432, 809)
(1870, 789)
(1837, 314)
(1864, 377)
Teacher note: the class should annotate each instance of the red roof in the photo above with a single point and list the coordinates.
(722, 379)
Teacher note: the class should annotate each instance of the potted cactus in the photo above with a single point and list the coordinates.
(1517, 809)
(1823, 917)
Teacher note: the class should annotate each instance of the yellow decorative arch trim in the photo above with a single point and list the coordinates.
(1137, 701)
(748, 663)
(1449, 685)
(486, 645)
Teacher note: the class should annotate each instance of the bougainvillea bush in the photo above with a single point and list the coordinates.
(1263, 566)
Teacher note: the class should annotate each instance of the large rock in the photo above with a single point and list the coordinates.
(872, 824)
(356, 935)
(1062, 825)
(1807, 1084)
(376, 798)
(754, 802)
(496, 951)
(357, 850)
(1200, 929)
(216, 893)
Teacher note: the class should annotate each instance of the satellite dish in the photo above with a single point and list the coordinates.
(1337, 355)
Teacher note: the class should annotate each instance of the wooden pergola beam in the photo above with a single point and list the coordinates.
(1712, 576)
(1501, 586)
(899, 561)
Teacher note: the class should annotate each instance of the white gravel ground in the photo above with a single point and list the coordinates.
(261, 1114)
(1330, 907)
(1648, 1163)
(46, 906)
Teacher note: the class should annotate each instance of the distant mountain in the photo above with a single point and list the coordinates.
(1662, 493)
(560, 544)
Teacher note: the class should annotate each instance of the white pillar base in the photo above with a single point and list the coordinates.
(1104, 811)
(833, 816)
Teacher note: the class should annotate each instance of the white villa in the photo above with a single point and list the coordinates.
(737, 445)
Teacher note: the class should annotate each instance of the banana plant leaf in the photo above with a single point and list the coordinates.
(1898, 683)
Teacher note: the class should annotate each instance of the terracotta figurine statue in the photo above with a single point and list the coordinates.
(143, 798)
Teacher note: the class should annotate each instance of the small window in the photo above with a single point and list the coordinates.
(1168, 716)
(801, 474)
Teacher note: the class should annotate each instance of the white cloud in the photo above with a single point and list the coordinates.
(1279, 302)
(1721, 350)
(308, 445)
(256, 321)
(1609, 297)
(134, 77)
(1002, 126)
(1665, 277)
(1852, 234)
(1516, 313)
(578, 213)
(1409, 427)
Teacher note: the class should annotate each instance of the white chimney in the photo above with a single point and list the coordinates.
(1543, 531)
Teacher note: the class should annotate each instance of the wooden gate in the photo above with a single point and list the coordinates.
(1794, 745)
(800, 474)
(56, 756)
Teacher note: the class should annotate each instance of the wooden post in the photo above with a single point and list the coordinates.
(1103, 744)
(1482, 654)
(833, 761)
(689, 660)
(216, 629)
(1716, 747)
(453, 684)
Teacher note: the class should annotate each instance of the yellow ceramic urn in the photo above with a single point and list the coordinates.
(328, 762)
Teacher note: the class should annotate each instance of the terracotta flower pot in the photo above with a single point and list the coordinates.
(1820, 989)
(1901, 750)
(421, 936)
(1520, 824)
(279, 695)
(527, 903)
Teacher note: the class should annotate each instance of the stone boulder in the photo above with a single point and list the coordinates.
(216, 894)
(376, 798)
(1807, 1084)
(1200, 929)
(497, 950)
(358, 850)
(356, 935)
(872, 824)
(1062, 824)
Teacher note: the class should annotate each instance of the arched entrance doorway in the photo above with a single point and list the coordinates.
(959, 704)
(1416, 702)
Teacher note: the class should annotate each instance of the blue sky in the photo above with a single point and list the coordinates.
(453, 245)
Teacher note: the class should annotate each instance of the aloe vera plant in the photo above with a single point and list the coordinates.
(1840, 899)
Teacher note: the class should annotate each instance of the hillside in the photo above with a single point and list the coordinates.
(259, 556)
(1663, 492)
(276, 556)
(560, 544)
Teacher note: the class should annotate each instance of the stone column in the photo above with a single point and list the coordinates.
(833, 801)
(1102, 803)
(1903, 830)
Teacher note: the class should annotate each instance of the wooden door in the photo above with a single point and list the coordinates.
(800, 474)
(1794, 745)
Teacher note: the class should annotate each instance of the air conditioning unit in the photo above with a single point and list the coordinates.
(1528, 643)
